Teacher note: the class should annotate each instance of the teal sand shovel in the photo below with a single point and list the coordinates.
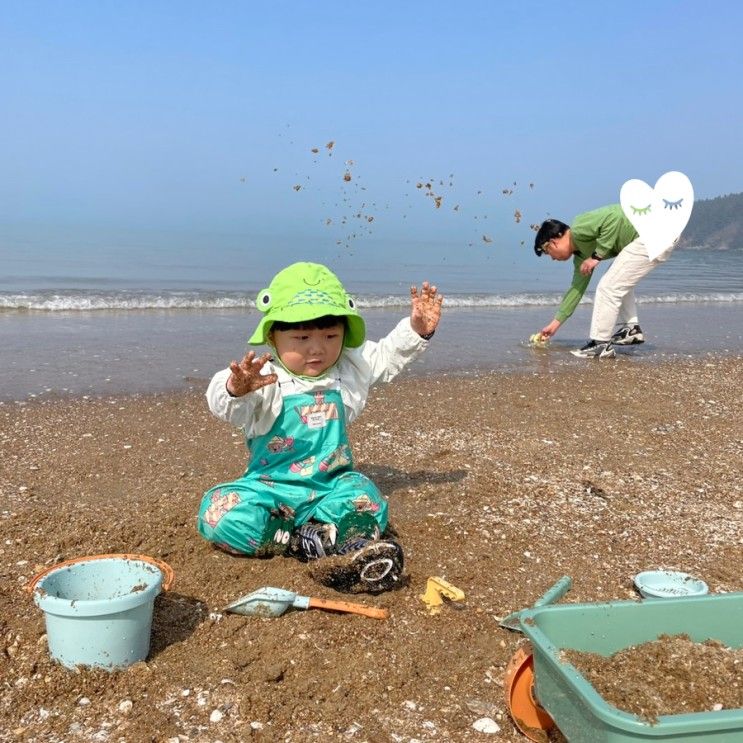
(273, 602)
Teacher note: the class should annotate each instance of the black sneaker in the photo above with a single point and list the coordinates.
(594, 349)
(313, 540)
(628, 335)
(362, 565)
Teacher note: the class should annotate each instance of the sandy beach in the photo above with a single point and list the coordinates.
(498, 482)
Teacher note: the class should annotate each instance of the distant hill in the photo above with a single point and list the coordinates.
(716, 223)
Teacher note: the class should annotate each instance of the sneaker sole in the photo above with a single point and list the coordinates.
(603, 355)
(632, 341)
(376, 568)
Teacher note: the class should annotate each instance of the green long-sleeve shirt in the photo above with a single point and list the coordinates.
(603, 231)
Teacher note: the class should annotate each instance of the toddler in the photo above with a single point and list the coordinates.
(300, 494)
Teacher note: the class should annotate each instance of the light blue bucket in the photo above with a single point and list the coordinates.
(98, 610)
(669, 584)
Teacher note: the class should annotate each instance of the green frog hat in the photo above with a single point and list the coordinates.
(303, 292)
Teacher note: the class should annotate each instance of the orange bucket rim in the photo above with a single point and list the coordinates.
(167, 571)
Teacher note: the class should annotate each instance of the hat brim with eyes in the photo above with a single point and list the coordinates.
(304, 292)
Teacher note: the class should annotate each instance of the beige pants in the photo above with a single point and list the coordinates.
(614, 301)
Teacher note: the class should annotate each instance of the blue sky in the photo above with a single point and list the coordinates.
(200, 118)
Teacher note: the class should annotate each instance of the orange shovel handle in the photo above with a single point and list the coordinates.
(167, 571)
(349, 608)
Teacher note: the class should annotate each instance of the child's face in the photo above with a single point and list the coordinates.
(308, 352)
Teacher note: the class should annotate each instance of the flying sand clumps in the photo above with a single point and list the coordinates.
(429, 185)
(438, 190)
(432, 188)
(348, 202)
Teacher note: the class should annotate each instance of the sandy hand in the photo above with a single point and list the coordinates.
(537, 339)
(425, 311)
(246, 376)
(549, 330)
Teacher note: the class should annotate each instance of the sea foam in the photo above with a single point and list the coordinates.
(124, 300)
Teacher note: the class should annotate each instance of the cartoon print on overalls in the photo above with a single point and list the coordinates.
(279, 443)
(220, 504)
(304, 467)
(338, 458)
(319, 413)
(364, 504)
(310, 429)
(283, 511)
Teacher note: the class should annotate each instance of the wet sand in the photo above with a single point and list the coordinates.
(111, 352)
(498, 482)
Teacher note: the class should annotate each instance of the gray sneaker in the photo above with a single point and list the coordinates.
(628, 335)
(595, 349)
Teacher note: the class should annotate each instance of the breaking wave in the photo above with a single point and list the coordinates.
(122, 300)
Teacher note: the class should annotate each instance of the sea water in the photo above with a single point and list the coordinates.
(91, 320)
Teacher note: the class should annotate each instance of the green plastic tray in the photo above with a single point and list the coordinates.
(580, 712)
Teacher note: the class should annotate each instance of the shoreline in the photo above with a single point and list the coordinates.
(500, 483)
(549, 364)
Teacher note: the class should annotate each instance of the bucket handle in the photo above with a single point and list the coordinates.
(167, 571)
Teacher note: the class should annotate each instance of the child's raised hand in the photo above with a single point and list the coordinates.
(425, 311)
(246, 376)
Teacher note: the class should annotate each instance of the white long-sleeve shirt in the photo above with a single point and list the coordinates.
(353, 374)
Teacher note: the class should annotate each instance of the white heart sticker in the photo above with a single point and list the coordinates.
(658, 214)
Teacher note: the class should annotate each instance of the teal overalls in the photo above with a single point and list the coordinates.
(301, 469)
